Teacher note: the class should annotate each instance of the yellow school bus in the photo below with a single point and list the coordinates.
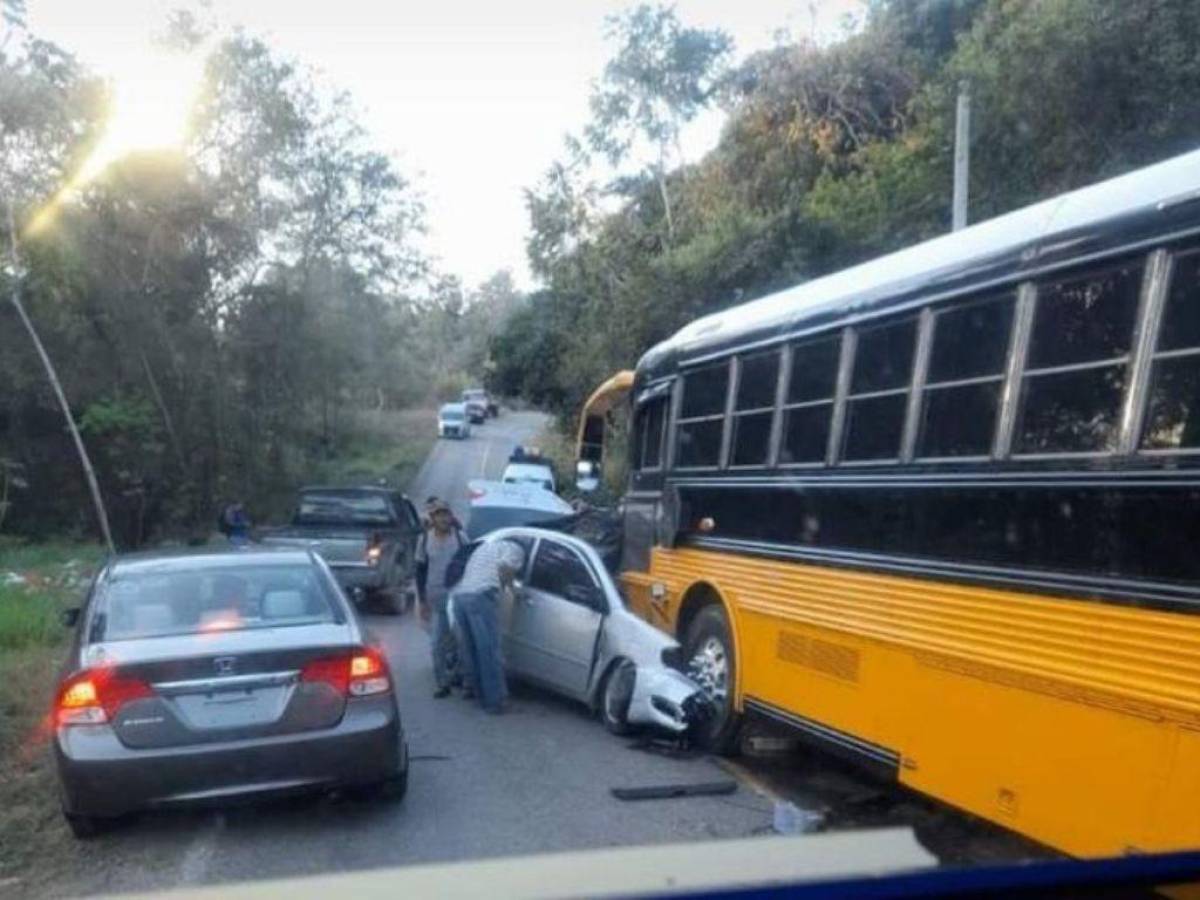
(941, 512)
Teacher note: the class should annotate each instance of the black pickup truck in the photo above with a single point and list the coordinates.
(367, 535)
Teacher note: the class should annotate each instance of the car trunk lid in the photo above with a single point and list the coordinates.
(226, 685)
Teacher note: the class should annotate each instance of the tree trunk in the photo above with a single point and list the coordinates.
(168, 423)
(661, 177)
(88, 471)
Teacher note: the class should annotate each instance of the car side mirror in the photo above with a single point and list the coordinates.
(70, 617)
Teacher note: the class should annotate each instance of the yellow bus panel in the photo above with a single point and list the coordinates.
(1074, 722)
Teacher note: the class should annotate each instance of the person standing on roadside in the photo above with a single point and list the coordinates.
(435, 548)
(492, 566)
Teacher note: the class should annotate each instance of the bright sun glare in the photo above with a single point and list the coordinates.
(153, 94)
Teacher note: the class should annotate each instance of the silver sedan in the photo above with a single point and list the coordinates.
(211, 676)
(565, 627)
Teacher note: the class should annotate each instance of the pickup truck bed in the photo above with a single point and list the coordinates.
(367, 536)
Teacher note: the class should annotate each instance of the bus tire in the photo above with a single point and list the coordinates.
(710, 660)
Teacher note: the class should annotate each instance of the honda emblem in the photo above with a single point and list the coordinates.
(225, 664)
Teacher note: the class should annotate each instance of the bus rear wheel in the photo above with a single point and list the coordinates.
(708, 649)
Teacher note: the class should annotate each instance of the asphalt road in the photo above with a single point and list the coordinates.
(537, 779)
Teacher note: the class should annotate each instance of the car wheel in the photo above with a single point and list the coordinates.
(615, 697)
(393, 789)
(708, 650)
(84, 827)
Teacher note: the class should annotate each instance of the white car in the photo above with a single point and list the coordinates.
(565, 627)
(530, 473)
(453, 421)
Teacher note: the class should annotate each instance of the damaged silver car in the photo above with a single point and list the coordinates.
(565, 627)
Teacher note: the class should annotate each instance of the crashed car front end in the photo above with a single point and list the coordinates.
(666, 699)
(661, 697)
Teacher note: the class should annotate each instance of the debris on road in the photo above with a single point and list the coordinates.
(788, 818)
(671, 791)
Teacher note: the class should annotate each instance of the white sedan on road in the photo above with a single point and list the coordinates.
(566, 628)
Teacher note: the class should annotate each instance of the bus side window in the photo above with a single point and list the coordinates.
(701, 425)
(878, 398)
(754, 408)
(648, 435)
(962, 392)
(808, 403)
(1077, 367)
(1173, 413)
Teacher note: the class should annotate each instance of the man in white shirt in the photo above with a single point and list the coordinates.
(492, 567)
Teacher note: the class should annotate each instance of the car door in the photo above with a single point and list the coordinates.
(556, 619)
(408, 530)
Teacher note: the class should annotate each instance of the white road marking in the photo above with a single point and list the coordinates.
(487, 453)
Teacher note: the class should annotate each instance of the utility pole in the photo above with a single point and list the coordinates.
(962, 154)
(88, 471)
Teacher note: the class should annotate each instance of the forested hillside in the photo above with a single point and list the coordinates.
(219, 315)
(830, 155)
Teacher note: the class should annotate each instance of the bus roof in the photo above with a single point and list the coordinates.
(1147, 204)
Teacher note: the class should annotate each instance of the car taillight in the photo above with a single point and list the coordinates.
(94, 696)
(368, 673)
(361, 674)
(476, 493)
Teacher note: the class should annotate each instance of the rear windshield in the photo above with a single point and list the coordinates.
(344, 508)
(486, 519)
(530, 479)
(143, 604)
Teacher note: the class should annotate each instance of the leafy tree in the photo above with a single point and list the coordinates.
(660, 78)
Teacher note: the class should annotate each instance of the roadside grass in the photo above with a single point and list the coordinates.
(386, 445)
(53, 577)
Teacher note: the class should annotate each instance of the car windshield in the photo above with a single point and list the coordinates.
(148, 603)
(346, 507)
(452, 415)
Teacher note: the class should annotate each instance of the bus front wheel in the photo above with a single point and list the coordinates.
(708, 649)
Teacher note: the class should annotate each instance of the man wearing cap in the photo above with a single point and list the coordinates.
(435, 549)
(493, 566)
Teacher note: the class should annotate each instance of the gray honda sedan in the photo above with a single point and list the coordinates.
(219, 675)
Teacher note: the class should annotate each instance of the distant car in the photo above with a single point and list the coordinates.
(494, 504)
(530, 473)
(367, 535)
(566, 627)
(453, 421)
(219, 675)
(476, 411)
(479, 395)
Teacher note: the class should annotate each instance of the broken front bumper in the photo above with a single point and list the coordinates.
(667, 699)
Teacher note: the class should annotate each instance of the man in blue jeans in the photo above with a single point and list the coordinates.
(492, 567)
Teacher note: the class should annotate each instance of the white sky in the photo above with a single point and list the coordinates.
(472, 97)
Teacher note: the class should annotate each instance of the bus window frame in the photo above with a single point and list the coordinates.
(782, 407)
(1161, 270)
(917, 410)
(677, 422)
(735, 414)
(1129, 360)
(642, 435)
(838, 450)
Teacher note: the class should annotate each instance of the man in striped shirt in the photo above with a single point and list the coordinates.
(492, 567)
